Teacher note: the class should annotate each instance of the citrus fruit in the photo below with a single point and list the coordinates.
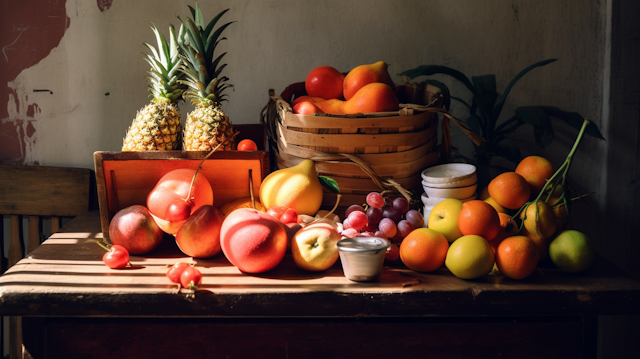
(495, 205)
(484, 194)
(560, 211)
(572, 251)
(536, 171)
(517, 257)
(470, 257)
(479, 218)
(424, 250)
(510, 190)
(508, 228)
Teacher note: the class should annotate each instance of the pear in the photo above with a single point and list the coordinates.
(363, 75)
(296, 187)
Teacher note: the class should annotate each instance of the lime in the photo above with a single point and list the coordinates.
(572, 251)
(470, 257)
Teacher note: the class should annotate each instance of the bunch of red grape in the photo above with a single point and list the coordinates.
(381, 217)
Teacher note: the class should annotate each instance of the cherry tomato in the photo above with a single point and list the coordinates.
(177, 211)
(247, 145)
(284, 214)
(117, 257)
(175, 271)
(393, 253)
(191, 278)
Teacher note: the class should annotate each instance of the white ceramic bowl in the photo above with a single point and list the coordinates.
(450, 172)
(458, 192)
(428, 201)
(473, 179)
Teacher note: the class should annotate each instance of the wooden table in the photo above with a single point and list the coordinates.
(75, 306)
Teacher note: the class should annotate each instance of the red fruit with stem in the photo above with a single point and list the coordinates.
(178, 210)
(191, 278)
(175, 271)
(117, 257)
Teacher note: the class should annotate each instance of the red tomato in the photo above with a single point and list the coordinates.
(191, 278)
(175, 271)
(247, 145)
(178, 211)
(117, 257)
(284, 214)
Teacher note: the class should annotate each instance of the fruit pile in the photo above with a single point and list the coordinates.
(365, 89)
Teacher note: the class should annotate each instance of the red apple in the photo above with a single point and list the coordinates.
(199, 236)
(134, 229)
(253, 241)
(164, 201)
(315, 247)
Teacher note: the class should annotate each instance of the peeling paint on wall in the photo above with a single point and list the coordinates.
(29, 30)
(104, 5)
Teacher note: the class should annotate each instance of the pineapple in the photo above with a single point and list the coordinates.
(158, 125)
(207, 126)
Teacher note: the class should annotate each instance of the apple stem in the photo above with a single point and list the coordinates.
(103, 246)
(253, 198)
(193, 180)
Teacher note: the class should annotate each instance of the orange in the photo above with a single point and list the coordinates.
(424, 250)
(484, 194)
(479, 218)
(560, 211)
(539, 226)
(536, 171)
(508, 228)
(495, 205)
(517, 257)
(510, 190)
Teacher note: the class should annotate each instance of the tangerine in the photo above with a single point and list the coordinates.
(536, 171)
(508, 228)
(495, 205)
(510, 190)
(424, 250)
(479, 218)
(470, 257)
(517, 257)
(539, 225)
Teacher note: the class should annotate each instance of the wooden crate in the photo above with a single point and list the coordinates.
(126, 178)
(358, 151)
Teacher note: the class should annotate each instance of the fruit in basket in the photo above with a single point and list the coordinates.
(314, 247)
(253, 241)
(444, 218)
(362, 75)
(173, 187)
(325, 82)
(517, 257)
(374, 97)
(306, 108)
(572, 251)
(479, 218)
(134, 229)
(510, 190)
(158, 125)
(295, 187)
(536, 171)
(470, 257)
(207, 126)
(199, 236)
(424, 250)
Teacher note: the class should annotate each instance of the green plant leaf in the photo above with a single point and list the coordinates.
(330, 184)
(486, 86)
(541, 122)
(474, 124)
(445, 91)
(574, 119)
(501, 100)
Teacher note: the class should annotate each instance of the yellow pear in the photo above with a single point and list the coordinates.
(296, 187)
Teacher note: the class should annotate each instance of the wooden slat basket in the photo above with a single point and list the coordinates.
(363, 152)
(126, 178)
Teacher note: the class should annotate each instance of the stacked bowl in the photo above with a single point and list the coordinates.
(451, 180)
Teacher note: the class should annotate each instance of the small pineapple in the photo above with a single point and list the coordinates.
(206, 126)
(158, 126)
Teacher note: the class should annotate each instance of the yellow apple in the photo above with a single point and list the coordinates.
(444, 218)
(314, 247)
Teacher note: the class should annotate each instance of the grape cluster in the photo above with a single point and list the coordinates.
(381, 217)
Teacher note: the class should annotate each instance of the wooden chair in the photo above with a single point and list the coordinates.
(37, 192)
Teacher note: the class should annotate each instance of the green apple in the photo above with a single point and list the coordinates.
(315, 247)
(444, 218)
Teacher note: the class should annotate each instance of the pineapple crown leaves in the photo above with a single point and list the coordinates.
(197, 49)
(165, 63)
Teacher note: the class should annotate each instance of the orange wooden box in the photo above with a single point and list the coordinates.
(126, 178)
